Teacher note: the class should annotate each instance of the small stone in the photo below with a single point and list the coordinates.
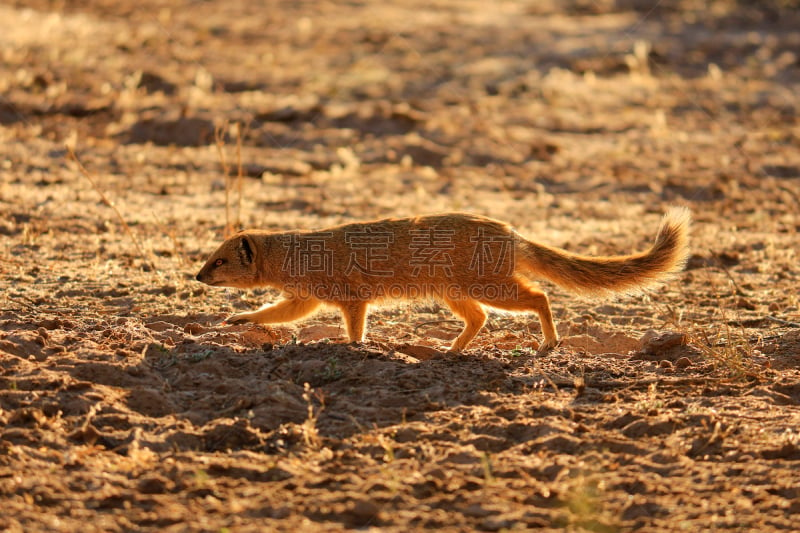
(152, 485)
(364, 512)
(653, 342)
(406, 434)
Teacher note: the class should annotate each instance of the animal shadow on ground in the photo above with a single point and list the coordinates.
(181, 383)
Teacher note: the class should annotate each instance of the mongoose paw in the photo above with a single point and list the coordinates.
(547, 345)
(236, 319)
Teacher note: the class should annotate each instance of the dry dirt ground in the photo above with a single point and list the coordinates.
(125, 403)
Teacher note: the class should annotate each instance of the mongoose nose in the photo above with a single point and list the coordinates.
(197, 277)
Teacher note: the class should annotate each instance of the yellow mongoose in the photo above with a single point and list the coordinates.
(465, 261)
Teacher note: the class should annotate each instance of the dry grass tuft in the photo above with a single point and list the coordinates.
(220, 134)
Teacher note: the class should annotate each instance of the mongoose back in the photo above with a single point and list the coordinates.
(466, 261)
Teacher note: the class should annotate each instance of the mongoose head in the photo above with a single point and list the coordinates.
(233, 264)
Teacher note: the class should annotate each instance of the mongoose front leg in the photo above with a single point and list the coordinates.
(474, 317)
(355, 319)
(283, 311)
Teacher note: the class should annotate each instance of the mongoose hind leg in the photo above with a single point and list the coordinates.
(355, 319)
(520, 295)
(283, 311)
(474, 317)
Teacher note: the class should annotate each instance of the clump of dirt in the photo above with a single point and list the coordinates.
(125, 402)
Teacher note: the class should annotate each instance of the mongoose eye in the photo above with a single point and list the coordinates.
(219, 262)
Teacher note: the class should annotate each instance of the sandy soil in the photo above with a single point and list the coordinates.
(125, 404)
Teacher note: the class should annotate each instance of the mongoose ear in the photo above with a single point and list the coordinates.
(245, 250)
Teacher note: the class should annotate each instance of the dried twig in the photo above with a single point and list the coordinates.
(109, 203)
(219, 140)
(738, 290)
(436, 322)
(783, 322)
(239, 172)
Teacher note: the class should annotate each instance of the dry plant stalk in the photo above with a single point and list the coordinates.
(728, 350)
(219, 139)
(310, 432)
(239, 174)
(169, 229)
(109, 203)
(725, 346)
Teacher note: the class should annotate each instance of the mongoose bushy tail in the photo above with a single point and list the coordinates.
(613, 274)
